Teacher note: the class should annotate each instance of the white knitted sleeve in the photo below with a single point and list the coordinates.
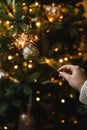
(83, 93)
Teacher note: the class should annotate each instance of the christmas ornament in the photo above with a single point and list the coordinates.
(53, 13)
(30, 52)
(2, 74)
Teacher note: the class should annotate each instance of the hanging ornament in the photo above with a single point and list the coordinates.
(30, 52)
(53, 13)
(2, 74)
(27, 44)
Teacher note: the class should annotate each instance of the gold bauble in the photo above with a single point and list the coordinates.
(53, 13)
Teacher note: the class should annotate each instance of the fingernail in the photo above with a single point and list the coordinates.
(60, 72)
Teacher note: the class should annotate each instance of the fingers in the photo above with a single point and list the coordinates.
(64, 75)
(69, 68)
(66, 67)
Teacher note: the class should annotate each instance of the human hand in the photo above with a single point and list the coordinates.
(74, 75)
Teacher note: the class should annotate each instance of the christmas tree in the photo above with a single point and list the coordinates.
(36, 38)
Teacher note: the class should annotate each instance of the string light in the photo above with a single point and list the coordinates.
(30, 61)
(61, 60)
(71, 95)
(37, 92)
(30, 66)
(0, 21)
(62, 100)
(25, 63)
(5, 128)
(75, 121)
(37, 99)
(38, 24)
(10, 57)
(35, 80)
(17, 54)
(56, 49)
(65, 58)
(36, 3)
(60, 83)
(49, 94)
(16, 67)
(52, 79)
(62, 121)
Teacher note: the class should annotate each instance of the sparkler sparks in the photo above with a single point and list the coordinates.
(23, 39)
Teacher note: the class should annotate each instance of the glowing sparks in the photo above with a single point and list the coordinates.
(23, 39)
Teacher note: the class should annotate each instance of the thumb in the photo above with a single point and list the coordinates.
(64, 75)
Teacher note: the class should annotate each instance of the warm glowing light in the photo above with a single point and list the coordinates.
(37, 92)
(17, 54)
(5, 128)
(23, 116)
(51, 19)
(80, 53)
(11, 26)
(24, 63)
(66, 59)
(37, 99)
(52, 79)
(30, 66)
(49, 94)
(25, 8)
(51, 62)
(30, 61)
(0, 21)
(61, 17)
(47, 61)
(24, 4)
(62, 100)
(56, 49)
(36, 3)
(10, 57)
(71, 95)
(30, 10)
(35, 80)
(48, 31)
(7, 22)
(75, 121)
(16, 67)
(13, 79)
(60, 83)
(38, 24)
(62, 121)
(61, 60)
(1, 74)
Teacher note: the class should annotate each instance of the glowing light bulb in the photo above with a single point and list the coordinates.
(62, 100)
(30, 66)
(16, 67)
(10, 57)
(5, 128)
(62, 121)
(37, 99)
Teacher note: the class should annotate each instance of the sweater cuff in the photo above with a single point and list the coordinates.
(83, 93)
